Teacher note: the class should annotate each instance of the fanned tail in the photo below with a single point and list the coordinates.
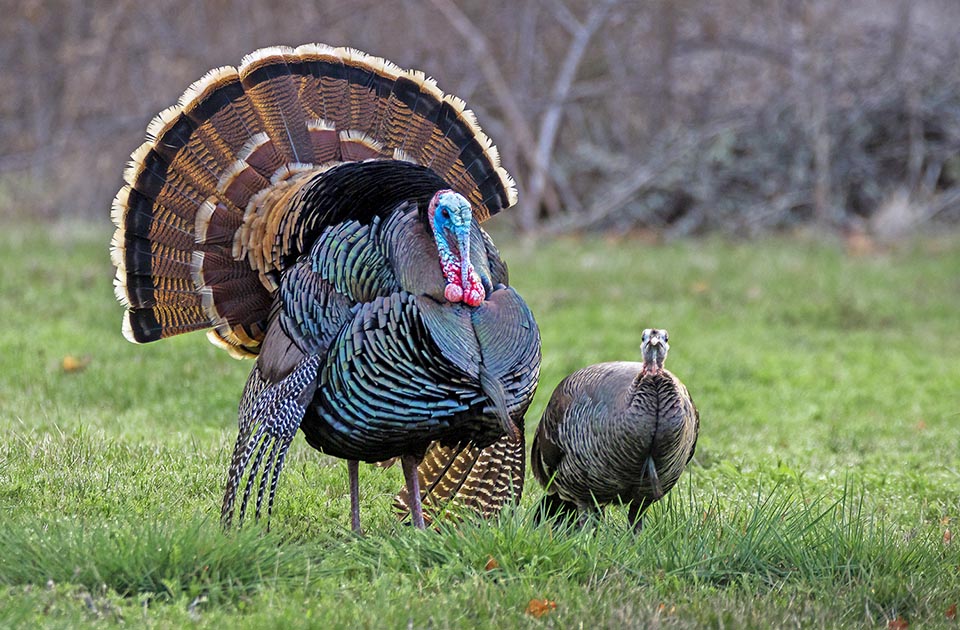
(464, 477)
(211, 205)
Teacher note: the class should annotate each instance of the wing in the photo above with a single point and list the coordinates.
(270, 414)
(546, 452)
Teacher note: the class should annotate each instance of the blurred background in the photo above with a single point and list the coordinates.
(684, 117)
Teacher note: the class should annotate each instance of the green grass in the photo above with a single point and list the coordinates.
(826, 476)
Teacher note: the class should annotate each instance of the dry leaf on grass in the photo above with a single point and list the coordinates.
(71, 363)
(952, 611)
(898, 624)
(491, 564)
(540, 607)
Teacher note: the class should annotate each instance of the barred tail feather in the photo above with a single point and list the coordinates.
(464, 477)
(220, 172)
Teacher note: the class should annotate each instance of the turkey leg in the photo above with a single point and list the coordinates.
(409, 463)
(353, 471)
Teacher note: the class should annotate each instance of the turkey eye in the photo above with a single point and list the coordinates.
(445, 213)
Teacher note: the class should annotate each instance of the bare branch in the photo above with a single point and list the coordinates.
(502, 92)
(565, 16)
(739, 45)
(488, 66)
(550, 123)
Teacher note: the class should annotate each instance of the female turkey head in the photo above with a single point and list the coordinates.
(654, 348)
(450, 217)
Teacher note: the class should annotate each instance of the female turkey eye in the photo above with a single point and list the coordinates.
(445, 213)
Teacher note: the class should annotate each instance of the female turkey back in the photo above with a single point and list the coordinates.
(615, 432)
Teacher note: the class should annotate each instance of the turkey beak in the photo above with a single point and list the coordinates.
(656, 343)
(654, 352)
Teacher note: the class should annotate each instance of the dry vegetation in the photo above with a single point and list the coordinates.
(682, 116)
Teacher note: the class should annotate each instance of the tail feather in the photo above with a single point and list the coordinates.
(267, 79)
(465, 477)
(656, 487)
(220, 171)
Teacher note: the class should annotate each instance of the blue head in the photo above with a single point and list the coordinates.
(451, 218)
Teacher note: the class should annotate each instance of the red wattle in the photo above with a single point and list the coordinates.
(453, 292)
(474, 294)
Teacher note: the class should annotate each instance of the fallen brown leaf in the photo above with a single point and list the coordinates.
(699, 287)
(898, 624)
(947, 537)
(540, 607)
(71, 363)
(491, 564)
(952, 611)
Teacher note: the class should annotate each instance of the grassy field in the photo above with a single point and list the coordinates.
(823, 493)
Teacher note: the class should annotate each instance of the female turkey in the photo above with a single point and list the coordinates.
(319, 209)
(620, 431)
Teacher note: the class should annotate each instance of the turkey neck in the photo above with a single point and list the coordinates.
(416, 258)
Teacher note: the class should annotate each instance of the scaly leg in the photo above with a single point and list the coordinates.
(635, 514)
(409, 463)
(353, 470)
(586, 515)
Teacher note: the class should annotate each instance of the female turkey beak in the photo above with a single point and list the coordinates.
(656, 350)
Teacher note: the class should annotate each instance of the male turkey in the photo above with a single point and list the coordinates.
(620, 431)
(318, 208)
